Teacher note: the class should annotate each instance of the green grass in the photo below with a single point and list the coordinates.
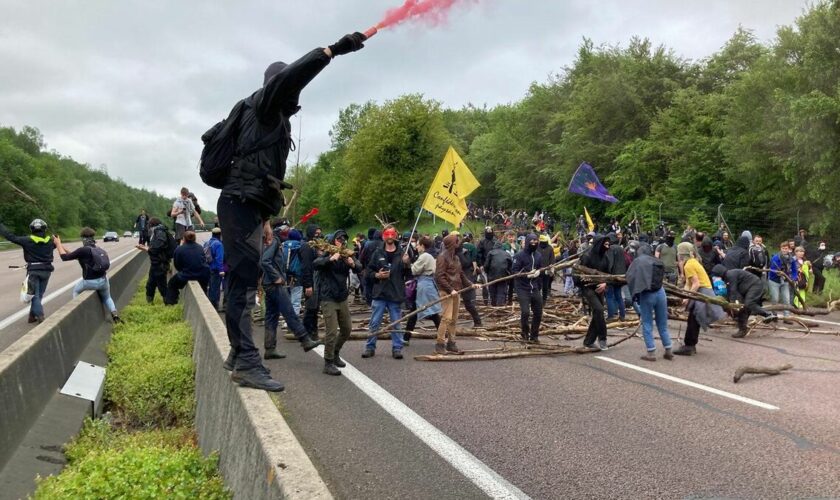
(831, 291)
(150, 452)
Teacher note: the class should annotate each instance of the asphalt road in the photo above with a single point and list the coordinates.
(580, 426)
(13, 323)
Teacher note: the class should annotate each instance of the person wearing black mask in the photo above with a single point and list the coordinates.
(547, 254)
(747, 288)
(529, 288)
(252, 192)
(485, 246)
(595, 258)
(160, 247)
(667, 253)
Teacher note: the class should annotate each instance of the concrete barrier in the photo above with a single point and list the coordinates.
(259, 456)
(34, 368)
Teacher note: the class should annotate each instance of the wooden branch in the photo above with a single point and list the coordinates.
(289, 203)
(767, 370)
(785, 276)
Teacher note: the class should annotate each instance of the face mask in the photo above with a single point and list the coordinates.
(822, 247)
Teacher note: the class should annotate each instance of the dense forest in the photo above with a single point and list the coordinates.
(66, 194)
(755, 127)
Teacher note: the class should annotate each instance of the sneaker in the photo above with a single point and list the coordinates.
(406, 342)
(650, 356)
(330, 368)
(256, 378)
(397, 354)
(440, 349)
(452, 348)
(535, 340)
(668, 355)
(591, 347)
(739, 334)
(116, 318)
(273, 354)
(369, 353)
(771, 319)
(686, 350)
(478, 324)
(32, 318)
(602, 345)
(308, 344)
(337, 361)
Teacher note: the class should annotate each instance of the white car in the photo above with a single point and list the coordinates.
(127, 234)
(136, 234)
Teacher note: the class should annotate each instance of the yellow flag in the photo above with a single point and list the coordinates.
(450, 188)
(589, 223)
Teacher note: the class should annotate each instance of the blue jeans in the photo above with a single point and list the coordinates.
(780, 294)
(615, 301)
(277, 303)
(214, 291)
(394, 314)
(654, 304)
(38, 281)
(102, 287)
(296, 294)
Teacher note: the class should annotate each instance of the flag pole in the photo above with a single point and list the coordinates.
(408, 244)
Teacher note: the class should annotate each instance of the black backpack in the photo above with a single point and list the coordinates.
(99, 260)
(658, 276)
(221, 149)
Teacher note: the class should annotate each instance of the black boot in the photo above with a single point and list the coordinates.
(230, 360)
(257, 378)
(308, 344)
(273, 354)
(685, 350)
(330, 368)
(115, 317)
(337, 361)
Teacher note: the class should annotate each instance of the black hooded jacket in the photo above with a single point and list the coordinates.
(484, 247)
(738, 257)
(740, 283)
(525, 261)
(616, 256)
(307, 258)
(646, 272)
(709, 257)
(258, 176)
(332, 275)
(595, 258)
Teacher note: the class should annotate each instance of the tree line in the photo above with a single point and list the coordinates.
(66, 194)
(754, 127)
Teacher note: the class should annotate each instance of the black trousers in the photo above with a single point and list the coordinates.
(241, 225)
(530, 303)
(178, 282)
(546, 286)
(144, 236)
(692, 330)
(752, 305)
(310, 313)
(510, 292)
(597, 323)
(819, 281)
(498, 292)
(468, 298)
(156, 281)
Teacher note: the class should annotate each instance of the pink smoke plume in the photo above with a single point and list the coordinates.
(433, 11)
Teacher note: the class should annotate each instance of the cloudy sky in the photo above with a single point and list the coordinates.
(133, 84)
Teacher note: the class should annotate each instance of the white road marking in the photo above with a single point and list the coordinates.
(25, 311)
(463, 461)
(691, 384)
(817, 320)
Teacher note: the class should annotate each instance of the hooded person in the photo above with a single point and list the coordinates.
(708, 255)
(38, 254)
(450, 279)
(252, 192)
(469, 265)
(738, 257)
(645, 277)
(527, 264)
(618, 265)
(160, 247)
(592, 294)
(498, 265)
(333, 273)
(744, 287)
(486, 245)
(668, 255)
(308, 279)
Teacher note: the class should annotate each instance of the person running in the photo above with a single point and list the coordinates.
(645, 277)
(333, 274)
(38, 254)
(95, 263)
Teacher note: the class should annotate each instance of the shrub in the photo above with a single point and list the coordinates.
(150, 464)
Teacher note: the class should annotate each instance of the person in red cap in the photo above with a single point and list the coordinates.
(387, 264)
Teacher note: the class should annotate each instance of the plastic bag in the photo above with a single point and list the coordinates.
(26, 291)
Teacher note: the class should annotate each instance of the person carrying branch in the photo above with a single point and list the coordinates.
(700, 314)
(529, 288)
(450, 278)
(593, 294)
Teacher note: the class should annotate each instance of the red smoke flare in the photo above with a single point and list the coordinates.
(309, 215)
(434, 11)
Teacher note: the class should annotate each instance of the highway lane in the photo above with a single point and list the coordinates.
(579, 425)
(13, 325)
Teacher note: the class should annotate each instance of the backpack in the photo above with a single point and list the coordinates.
(221, 150)
(658, 276)
(171, 245)
(719, 286)
(99, 260)
(291, 258)
(208, 252)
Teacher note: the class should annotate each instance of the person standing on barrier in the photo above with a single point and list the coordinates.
(214, 252)
(38, 254)
(252, 193)
(95, 264)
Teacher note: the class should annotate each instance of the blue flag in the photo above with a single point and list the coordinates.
(585, 182)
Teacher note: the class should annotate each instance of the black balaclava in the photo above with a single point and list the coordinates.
(291, 106)
(531, 243)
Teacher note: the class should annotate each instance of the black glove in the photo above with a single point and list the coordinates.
(348, 44)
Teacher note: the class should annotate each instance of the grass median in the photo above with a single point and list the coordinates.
(147, 447)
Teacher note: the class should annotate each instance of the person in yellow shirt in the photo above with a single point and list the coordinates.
(700, 314)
